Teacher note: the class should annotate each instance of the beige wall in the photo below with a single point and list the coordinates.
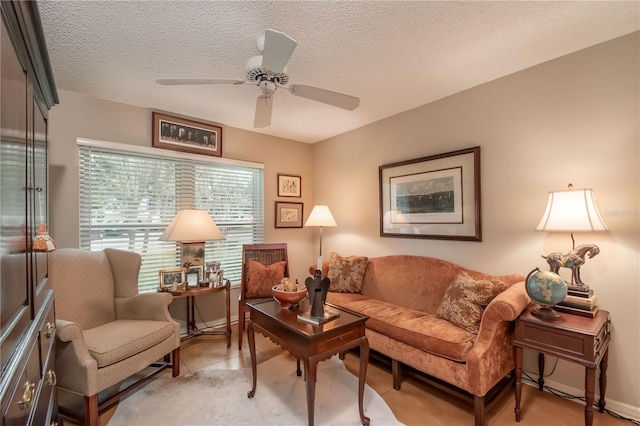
(574, 119)
(83, 116)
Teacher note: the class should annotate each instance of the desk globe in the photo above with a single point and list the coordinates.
(547, 289)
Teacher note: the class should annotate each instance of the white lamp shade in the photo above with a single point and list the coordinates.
(571, 210)
(320, 216)
(192, 226)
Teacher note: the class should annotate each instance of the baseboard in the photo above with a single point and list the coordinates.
(624, 410)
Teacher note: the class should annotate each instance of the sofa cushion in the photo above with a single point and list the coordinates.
(346, 273)
(465, 300)
(120, 339)
(419, 329)
(262, 278)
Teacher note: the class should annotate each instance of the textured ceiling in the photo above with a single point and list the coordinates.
(393, 55)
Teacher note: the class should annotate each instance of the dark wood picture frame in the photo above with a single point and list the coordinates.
(184, 135)
(436, 197)
(289, 186)
(289, 215)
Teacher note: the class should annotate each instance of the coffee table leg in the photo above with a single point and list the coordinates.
(310, 373)
(364, 362)
(252, 350)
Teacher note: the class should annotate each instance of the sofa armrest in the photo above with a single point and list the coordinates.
(509, 304)
(492, 355)
(145, 306)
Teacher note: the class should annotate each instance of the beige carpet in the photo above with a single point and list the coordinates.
(219, 397)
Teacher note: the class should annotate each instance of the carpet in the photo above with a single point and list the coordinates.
(219, 397)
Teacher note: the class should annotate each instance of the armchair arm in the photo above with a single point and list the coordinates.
(145, 306)
(75, 366)
(492, 355)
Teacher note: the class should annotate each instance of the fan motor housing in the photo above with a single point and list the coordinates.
(255, 73)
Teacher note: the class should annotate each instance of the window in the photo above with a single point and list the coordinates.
(129, 194)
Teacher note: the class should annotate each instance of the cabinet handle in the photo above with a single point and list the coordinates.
(50, 329)
(51, 378)
(27, 395)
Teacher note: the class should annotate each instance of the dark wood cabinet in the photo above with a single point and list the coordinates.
(27, 316)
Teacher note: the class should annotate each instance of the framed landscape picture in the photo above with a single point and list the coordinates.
(434, 197)
(181, 134)
(289, 215)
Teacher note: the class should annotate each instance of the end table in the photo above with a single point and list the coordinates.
(574, 338)
(192, 329)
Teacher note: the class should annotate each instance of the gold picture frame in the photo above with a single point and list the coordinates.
(172, 277)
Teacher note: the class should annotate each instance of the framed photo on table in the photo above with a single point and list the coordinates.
(289, 186)
(435, 197)
(171, 278)
(289, 215)
(181, 134)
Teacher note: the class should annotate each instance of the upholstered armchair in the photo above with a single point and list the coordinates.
(263, 266)
(106, 331)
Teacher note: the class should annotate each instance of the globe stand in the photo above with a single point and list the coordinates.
(546, 313)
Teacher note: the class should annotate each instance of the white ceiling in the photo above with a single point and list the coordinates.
(393, 55)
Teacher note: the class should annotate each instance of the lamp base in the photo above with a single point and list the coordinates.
(545, 312)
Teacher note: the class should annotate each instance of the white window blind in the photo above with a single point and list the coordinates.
(128, 198)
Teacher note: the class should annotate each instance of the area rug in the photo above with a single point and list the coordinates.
(219, 397)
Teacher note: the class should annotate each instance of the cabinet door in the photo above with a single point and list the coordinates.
(14, 294)
(38, 196)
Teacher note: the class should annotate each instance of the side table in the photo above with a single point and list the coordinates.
(190, 295)
(574, 338)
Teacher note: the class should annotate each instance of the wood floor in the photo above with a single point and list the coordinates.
(415, 404)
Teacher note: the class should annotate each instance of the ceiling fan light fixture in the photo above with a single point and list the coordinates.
(269, 71)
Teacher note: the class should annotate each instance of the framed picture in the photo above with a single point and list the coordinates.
(435, 197)
(192, 254)
(197, 270)
(171, 277)
(181, 134)
(192, 279)
(289, 186)
(289, 215)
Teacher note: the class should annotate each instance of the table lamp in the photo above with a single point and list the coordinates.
(191, 227)
(320, 216)
(572, 210)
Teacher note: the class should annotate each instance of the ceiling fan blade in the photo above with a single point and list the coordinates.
(325, 96)
(189, 81)
(264, 104)
(278, 48)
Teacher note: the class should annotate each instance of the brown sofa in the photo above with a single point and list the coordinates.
(401, 294)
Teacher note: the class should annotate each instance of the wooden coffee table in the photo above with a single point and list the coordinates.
(309, 342)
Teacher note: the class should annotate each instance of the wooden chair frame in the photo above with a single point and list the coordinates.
(266, 254)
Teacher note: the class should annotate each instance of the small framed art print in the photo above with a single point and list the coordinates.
(289, 186)
(289, 215)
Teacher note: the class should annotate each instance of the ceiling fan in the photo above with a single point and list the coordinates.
(269, 72)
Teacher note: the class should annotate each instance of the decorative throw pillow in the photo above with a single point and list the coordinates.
(346, 273)
(465, 301)
(262, 278)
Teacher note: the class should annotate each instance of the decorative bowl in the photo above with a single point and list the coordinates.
(288, 298)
